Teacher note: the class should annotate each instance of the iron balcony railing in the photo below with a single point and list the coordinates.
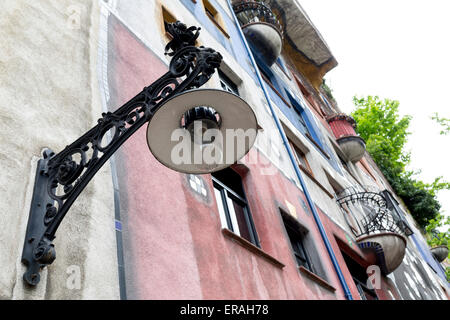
(381, 214)
(250, 12)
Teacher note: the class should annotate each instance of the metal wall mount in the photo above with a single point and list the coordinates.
(40, 212)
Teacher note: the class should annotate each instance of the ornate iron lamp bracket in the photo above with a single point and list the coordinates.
(61, 177)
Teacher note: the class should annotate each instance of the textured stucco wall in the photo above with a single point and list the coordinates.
(49, 97)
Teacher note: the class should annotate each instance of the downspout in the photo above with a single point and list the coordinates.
(345, 287)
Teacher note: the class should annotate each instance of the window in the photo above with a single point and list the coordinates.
(337, 188)
(343, 163)
(397, 212)
(273, 84)
(306, 126)
(167, 18)
(329, 108)
(301, 120)
(227, 84)
(303, 89)
(351, 221)
(214, 16)
(232, 204)
(308, 96)
(296, 237)
(359, 276)
(366, 169)
(303, 247)
(280, 63)
(349, 215)
(301, 158)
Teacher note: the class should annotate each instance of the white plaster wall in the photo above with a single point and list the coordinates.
(49, 97)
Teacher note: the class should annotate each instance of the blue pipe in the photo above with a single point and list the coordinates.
(347, 292)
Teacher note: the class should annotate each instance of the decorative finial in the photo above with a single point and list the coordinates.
(182, 36)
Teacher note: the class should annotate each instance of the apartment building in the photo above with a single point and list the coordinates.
(306, 214)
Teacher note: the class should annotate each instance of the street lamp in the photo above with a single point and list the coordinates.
(181, 117)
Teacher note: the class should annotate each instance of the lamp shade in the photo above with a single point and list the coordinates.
(201, 131)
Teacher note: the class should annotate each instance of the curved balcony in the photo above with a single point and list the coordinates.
(261, 28)
(440, 252)
(379, 231)
(343, 127)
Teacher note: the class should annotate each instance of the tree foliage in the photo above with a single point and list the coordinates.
(327, 90)
(435, 235)
(386, 133)
(443, 122)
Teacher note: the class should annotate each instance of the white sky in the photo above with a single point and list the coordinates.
(396, 49)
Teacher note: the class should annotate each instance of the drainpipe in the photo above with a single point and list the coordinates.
(345, 287)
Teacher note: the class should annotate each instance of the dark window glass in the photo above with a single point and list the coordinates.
(239, 210)
(296, 238)
(360, 277)
(344, 164)
(233, 207)
(301, 120)
(301, 158)
(227, 84)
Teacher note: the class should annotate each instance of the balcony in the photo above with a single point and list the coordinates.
(343, 127)
(379, 230)
(440, 253)
(261, 28)
(302, 41)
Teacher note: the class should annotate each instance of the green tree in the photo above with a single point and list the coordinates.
(386, 133)
(443, 122)
(435, 235)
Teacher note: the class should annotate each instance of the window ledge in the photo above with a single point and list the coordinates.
(316, 182)
(217, 24)
(316, 278)
(251, 247)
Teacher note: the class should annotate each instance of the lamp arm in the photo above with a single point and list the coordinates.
(61, 177)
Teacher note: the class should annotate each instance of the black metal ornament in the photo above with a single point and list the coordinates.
(60, 178)
(378, 215)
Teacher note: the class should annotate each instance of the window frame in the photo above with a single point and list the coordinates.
(227, 84)
(364, 291)
(213, 14)
(282, 65)
(231, 220)
(167, 17)
(302, 154)
(302, 121)
(356, 271)
(296, 238)
(267, 80)
(308, 95)
(366, 170)
(298, 245)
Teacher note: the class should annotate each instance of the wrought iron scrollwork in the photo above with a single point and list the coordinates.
(377, 215)
(62, 177)
(250, 11)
